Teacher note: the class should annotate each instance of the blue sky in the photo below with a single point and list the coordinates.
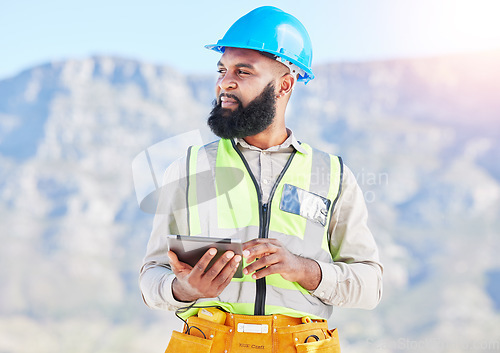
(174, 32)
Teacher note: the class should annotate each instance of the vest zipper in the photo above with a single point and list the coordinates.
(264, 220)
(260, 291)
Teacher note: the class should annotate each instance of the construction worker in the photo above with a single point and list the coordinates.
(299, 212)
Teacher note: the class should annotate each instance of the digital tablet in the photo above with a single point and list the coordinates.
(190, 249)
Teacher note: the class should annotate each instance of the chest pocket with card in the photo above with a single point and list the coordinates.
(304, 203)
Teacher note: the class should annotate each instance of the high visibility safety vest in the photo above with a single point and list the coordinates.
(224, 200)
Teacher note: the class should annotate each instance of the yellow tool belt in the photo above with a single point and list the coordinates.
(259, 334)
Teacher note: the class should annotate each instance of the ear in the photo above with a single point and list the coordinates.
(286, 84)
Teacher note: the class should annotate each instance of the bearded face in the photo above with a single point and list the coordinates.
(243, 121)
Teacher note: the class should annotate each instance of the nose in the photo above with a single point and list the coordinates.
(226, 82)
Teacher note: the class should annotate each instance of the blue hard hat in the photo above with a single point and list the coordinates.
(269, 29)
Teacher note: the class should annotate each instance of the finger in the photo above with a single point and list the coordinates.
(201, 265)
(176, 265)
(216, 268)
(267, 271)
(261, 263)
(258, 241)
(227, 274)
(251, 243)
(258, 251)
(174, 261)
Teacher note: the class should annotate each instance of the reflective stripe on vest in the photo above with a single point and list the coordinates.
(224, 201)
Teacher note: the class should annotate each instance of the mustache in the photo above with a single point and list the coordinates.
(228, 95)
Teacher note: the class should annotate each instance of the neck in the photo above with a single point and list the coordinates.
(268, 138)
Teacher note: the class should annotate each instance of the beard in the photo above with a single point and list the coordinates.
(243, 122)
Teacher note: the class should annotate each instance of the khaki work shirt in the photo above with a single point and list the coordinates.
(353, 280)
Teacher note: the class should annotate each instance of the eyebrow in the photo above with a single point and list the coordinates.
(248, 66)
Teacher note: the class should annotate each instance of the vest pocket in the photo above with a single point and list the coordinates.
(304, 203)
(180, 342)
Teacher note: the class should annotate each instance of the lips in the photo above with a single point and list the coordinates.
(227, 101)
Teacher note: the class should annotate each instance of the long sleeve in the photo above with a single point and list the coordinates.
(355, 278)
(156, 277)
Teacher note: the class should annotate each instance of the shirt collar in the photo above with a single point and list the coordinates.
(290, 141)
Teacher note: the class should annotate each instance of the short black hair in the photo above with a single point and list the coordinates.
(269, 55)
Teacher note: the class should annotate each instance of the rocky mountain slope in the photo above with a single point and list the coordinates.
(422, 137)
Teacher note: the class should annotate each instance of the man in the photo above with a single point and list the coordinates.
(298, 210)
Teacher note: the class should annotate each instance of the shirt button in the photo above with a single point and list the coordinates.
(265, 152)
(265, 181)
(322, 294)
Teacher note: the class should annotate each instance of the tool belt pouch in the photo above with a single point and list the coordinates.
(308, 338)
(328, 345)
(213, 338)
(181, 342)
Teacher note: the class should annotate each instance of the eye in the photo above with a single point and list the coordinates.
(243, 73)
(221, 72)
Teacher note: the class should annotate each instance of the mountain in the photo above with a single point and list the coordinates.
(422, 137)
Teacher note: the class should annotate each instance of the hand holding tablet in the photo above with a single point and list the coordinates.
(190, 260)
(190, 249)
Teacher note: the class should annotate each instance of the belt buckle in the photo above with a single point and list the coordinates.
(253, 328)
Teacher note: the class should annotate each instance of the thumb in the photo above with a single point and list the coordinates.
(175, 264)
